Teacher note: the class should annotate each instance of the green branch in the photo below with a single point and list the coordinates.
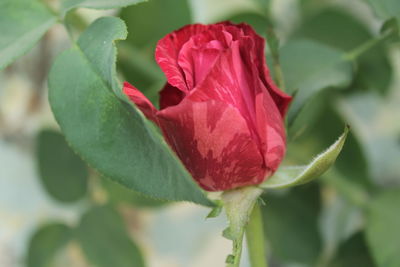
(358, 51)
(255, 238)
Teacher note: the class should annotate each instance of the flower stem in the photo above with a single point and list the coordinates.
(237, 250)
(358, 51)
(255, 238)
(238, 206)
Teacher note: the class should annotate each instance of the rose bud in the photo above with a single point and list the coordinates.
(220, 111)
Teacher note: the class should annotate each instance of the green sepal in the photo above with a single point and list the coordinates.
(227, 233)
(297, 175)
(216, 210)
(230, 259)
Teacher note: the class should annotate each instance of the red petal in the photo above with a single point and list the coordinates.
(197, 57)
(271, 130)
(229, 81)
(170, 96)
(281, 99)
(141, 101)
(169, 47)
(167, 51)
(214, 142)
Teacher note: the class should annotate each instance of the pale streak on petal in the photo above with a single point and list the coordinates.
(221, 137)
(271, 129)
(275, 149)
(214, 142)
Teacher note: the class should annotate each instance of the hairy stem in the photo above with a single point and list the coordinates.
(255, 238)
(238, 205)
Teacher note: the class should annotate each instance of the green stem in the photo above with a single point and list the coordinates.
(237, 250)
(76, 21)
(132, 56)
(255, 238)
(238, 206)
(358, 51)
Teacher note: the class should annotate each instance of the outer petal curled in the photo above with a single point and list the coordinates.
(167, 52)
(271, 130)
(141, 101)
(281, 99)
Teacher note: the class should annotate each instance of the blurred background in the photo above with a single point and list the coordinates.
(55, 211)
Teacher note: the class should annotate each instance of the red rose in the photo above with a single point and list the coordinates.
(220, 111)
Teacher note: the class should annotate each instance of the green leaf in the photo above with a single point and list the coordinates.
(63, 174)
(136, 56)
(291, 176)
(375, 123)
(382, 229)
(45, 243)
(105, 240)
(67, 5)
(309, 67)
(351, 164)
(215, 211)
(304, 126)
(257, 21)
(391, 27)
(317, 129)
(264, 4)
(353, 252)
(338, 29)
(112, 136)
(120, 194)
(386, 9)
(22, 24)
(150, 21)
(141, 70)
(339, 220)
(291, 225)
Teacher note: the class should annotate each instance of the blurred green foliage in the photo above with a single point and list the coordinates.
(22, 24)
(291, 224)
(46, 243)
(62, 172)
(105, 241)
(333, 58)
(339, 29)
(383, 219)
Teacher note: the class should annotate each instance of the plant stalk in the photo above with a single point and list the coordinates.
(238, 206)
(358, 51)
(255, 238)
